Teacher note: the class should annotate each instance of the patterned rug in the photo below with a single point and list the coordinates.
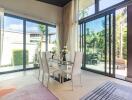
(110, 91)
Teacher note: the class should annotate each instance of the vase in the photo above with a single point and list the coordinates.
(64, 56)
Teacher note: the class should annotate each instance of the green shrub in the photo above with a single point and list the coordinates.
(18, 57)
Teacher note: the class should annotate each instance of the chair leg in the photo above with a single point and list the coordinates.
(48, 81)
(72, 82)
(39, 74)
(54, 74)
(43, 78)
(80, 80)
(60, 78)
(63, 76)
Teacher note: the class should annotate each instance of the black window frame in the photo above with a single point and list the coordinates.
(97, 12)
(107, 11)
(24, 19)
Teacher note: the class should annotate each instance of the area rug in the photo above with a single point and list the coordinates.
(32, 92)
(5, 91)
(110, 91)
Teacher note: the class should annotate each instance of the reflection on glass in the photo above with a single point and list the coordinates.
(86, 8)
(34, 39)
(12, 48)
(103, 4)
(95, 44)
(52, 41)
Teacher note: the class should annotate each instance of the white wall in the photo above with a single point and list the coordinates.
(33, 9)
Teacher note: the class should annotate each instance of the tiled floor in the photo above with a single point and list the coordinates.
(62, 91)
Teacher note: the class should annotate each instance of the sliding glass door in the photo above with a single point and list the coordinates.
(34, 32)
(12, 47)
(97, 41)
(52, 39)
(121, 43)
(20, 41)
(95, 44)
(103, 39)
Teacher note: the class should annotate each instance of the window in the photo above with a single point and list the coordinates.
(95, 44)
(20, 42)
(34, 39)
(86, 8)
(52, 43)
(103, 4)
(12, 49)
(90, 7)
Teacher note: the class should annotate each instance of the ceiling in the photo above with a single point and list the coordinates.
(60, 3)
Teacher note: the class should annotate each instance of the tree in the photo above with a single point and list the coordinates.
(42, 29)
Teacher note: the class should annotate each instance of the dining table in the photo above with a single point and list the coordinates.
(62, 65)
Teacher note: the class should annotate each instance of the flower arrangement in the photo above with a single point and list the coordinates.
(64, 52)
(53, 52)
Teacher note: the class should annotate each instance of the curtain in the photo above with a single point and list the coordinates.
(68, 29)
(72, 36)
(1, 32)
(67, 19)
(59, 36)
(70, 21)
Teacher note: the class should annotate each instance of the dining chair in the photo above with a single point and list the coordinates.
(51, 63)
(48, 71)
(49, 56)
(68, 56)
(40, 64)
(76, 68)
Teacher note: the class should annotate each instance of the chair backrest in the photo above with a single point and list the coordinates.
(48, 54)
(77, 62)
(45, 63)
(39, 60)
(68, 57)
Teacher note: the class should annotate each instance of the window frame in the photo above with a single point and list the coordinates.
(24, 39)
(97, 11)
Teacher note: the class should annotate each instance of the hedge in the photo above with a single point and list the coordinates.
(18, 57)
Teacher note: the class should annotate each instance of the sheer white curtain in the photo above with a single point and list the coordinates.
(72, 36)
(68, 29)
(1, 32)
(59, 36)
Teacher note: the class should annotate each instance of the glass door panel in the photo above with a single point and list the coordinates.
(12, 49)
(99, 44)
(34, 32)
(105, 43)
(52, 39)
(121, 43)
(95, 44)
